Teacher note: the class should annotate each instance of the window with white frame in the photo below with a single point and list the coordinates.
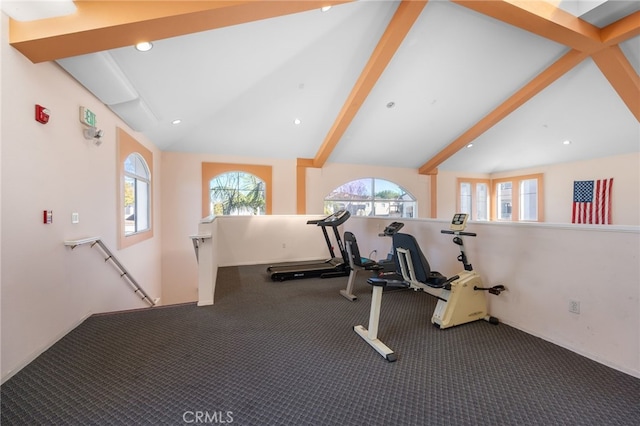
(137, 185)
(517, 198)
(474, 198)
(504, 200)
(372, 197)
(135, 190)
(528, 207)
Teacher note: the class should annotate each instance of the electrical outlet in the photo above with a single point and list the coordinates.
(574, 306)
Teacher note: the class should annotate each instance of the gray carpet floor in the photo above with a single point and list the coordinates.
(286, 354)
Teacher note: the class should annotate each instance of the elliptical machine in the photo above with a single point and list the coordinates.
(461, 298)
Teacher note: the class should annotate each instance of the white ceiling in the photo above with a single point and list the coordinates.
(238, 90)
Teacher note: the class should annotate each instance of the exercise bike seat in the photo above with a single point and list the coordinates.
(421, 267)
(387, 283)
(358, 260)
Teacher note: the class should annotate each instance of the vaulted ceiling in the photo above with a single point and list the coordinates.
(405, 84)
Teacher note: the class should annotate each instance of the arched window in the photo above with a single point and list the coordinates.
(137, 184)
(135, 191)
(372, 197)
(237, 193)
(243, 174)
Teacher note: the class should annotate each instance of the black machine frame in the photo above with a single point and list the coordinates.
(329, 268)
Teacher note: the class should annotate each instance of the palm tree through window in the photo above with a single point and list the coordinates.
(238, 194)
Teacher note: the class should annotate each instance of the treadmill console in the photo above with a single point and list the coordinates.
(335, 219)
(459, 222)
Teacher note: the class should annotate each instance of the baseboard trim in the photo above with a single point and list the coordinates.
(6, 375)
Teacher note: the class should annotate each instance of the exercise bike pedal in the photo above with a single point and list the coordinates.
(496, 289)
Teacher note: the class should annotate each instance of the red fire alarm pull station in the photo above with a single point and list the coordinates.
(42, 114)
(48, 216)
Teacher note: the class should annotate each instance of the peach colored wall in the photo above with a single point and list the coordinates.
(47, 289)
(558, 187)
(181, 202)
(320, 182)
(181, 207)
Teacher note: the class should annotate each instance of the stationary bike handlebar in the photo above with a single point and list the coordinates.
(466, 234)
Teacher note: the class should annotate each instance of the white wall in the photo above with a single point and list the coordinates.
(251, 240)
(546, 266)
(47, 289)
(543, 267)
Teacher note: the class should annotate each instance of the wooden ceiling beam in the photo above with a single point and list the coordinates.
(542, 18)
(402, 21)
(535, 86)
(621, 30)
(546, 20)
(616, 68)
(101, 25)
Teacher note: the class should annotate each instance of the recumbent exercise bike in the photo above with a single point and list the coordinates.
(461, 298)
(357, 262)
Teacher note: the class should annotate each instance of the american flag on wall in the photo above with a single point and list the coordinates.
(592, 201)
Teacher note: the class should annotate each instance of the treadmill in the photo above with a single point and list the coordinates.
(329, 268)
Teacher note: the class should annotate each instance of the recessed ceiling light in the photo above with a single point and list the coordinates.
(144, 46)
(470, 145)
(325, 8)
(297, 121)
(176, 121)
(566, 142)
(391, 104)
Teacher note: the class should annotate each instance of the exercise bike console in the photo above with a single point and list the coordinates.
(459, 222)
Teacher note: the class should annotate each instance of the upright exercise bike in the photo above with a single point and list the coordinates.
(461, 298)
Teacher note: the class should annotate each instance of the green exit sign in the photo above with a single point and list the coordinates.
(87, 117)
